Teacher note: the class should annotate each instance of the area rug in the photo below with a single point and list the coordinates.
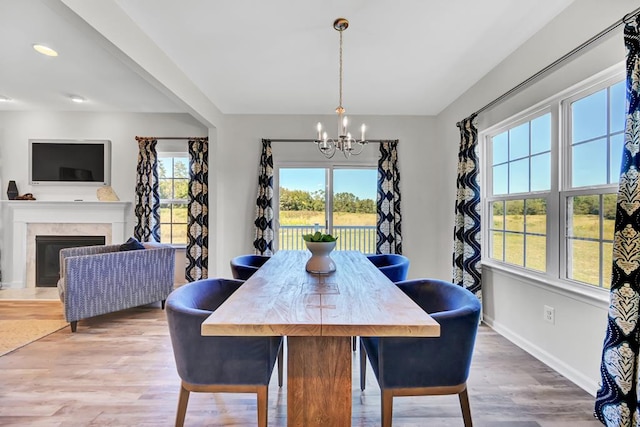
(18, 333)
(23, 322)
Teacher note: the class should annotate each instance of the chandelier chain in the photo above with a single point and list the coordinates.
(341, 72)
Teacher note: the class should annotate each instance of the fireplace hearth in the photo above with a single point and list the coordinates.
(48, 255)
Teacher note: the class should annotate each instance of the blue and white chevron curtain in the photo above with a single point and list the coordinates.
(389, 217)
(198, 211)
(263, 242)
(617, 399)
(147, 197)
(466, 235)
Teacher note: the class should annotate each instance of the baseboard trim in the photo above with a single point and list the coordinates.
(576, 377)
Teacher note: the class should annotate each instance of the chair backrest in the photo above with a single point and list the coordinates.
(214, 360)
(394, 266)
(434, 362)
(243, 266)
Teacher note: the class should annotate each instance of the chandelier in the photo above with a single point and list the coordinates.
(344, 141)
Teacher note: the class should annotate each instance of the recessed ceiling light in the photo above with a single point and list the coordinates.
(45, 50)
(4, 98)
(78, 99)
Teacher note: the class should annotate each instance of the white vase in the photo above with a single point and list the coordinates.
(320, 261)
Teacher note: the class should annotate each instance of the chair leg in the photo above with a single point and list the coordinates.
(387, 407)
(182, 406)
(74, 325)
(363, 366)
(162, 303)
(280, 364)
(263, 400)
(466, 409)
(354, 342)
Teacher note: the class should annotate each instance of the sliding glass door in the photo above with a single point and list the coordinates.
(340, 201)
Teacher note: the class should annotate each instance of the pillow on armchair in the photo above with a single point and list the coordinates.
(131, 245)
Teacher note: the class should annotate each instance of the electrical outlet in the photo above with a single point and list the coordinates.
(549, 314)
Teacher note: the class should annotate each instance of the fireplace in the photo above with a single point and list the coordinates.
(48, 257)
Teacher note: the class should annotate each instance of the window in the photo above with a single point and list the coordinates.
(552, 179)
(173, 172)
(339, 200)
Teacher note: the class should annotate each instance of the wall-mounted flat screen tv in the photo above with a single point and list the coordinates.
(74, 162)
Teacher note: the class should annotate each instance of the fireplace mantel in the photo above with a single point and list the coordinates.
(19, 215)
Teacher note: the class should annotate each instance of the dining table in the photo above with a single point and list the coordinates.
(319, 313)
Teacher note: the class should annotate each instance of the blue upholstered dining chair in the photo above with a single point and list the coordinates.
(394, 266)
(243, 266)
(427, 366)
(217, 364)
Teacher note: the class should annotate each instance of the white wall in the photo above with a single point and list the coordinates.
(237, 175)
(16, 128)
(514, 305)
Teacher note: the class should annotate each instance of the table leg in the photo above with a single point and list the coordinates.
(319, 381)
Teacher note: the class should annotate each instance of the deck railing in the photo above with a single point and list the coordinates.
(350, 237)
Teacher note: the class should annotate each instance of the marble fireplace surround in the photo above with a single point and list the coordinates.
(24, 220)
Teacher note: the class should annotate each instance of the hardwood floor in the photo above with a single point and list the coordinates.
(118, 370)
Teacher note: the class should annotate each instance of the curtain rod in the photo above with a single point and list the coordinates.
(171, 137)
(373, 141)
(560, 60)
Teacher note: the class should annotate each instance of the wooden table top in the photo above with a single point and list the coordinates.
(283, 299)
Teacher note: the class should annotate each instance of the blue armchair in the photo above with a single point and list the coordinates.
(217, 364)
(394, 266)
(243, 266)
(427, 366)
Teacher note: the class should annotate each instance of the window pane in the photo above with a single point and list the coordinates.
(179, 214)
(589, 117)
(584, 219)
(181, 189)
(588, 167)
(584, 261)
(500, 179)
(541, 172)
(519, 176)
(615, 159)
(541, 134)
(497, 208)
(354, 209)
(607, 266)
(497, 245)
(536, 216)
(515, 215)
(519, 141)
(609, 210)
(165, 233)
(536, 252)
(179, 234)
(500, 148)
(165, 213)
(164, 188)
(165, 168)
(514, 250)
(617, 100)
(181, 167)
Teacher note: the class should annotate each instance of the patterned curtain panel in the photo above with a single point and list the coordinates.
(147, 198)
(263, 243)
(617, 400)
(198, 211)
(466, 234)
(389, 218)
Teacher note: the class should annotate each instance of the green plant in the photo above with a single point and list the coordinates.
(319, 237)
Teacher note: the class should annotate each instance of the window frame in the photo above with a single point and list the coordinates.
(173, 201)
(559, 106)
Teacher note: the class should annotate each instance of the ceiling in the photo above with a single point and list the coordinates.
(409, 57)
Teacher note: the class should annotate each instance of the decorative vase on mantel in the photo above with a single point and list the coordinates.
(320, 261)
(12, 190)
